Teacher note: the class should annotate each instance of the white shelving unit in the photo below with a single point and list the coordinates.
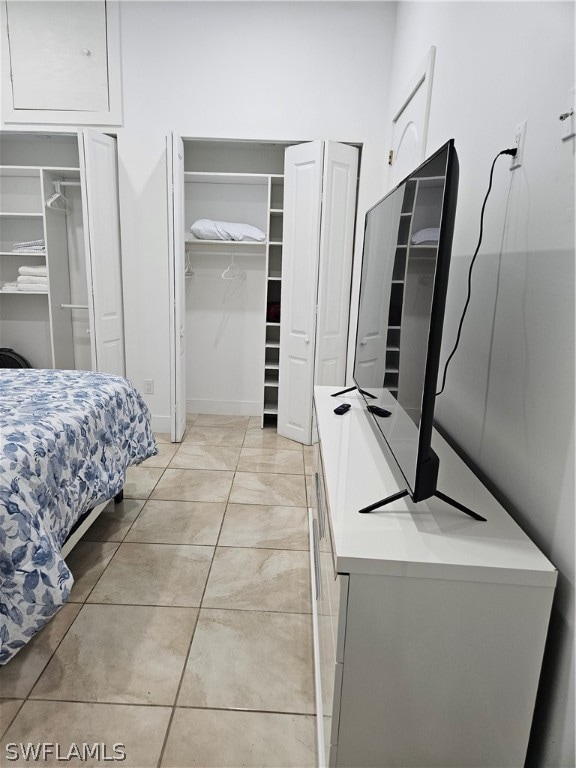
(234, 182)
(26, 316)
(273, 300)
(54, 328)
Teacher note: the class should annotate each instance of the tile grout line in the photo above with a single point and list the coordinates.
(185, 665)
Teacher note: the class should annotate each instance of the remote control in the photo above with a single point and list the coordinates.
(342, 408)
(377, 411)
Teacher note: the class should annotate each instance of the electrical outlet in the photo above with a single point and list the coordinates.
(148, 386)
(519, 137)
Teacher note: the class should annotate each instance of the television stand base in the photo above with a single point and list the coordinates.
(438, 494)
(351, 389)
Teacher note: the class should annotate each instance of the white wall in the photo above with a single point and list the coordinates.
(279, 71)
(509, 400)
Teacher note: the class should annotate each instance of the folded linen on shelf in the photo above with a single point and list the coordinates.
(426, 235)
(10, 288)
(30, 243)
(28, 279)
(39, 271)
(30, 246)
(207, 229)
(35, 287)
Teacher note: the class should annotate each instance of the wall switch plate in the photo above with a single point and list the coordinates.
(519, 136)
(148, 386)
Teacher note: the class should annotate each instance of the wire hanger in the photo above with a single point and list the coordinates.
(232, 272)
(57, 201)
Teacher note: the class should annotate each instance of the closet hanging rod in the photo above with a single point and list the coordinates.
(65, 183)
(74, 306)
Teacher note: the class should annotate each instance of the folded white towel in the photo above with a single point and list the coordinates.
(40, 271)
(10, 288)
(207, 229)
(27, 279)
(35, 287)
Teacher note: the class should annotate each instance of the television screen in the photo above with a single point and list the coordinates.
(405, 263)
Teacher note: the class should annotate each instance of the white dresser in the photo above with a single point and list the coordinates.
(429, 626)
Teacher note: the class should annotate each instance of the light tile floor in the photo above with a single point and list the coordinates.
(188, 635)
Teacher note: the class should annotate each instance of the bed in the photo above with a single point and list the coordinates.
(66, 441)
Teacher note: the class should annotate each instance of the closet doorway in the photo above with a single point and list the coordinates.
(239, 306)
(60, 261)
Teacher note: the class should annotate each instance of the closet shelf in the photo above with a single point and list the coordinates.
(14, 215)
(23, 293)
(34, 170)
(14, 171)
(226, 244)
(24, 253)
(206, 177)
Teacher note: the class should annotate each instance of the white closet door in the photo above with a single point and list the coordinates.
(176, 246)
(99, 176)
(372, 333)
(335, 269)
(301, 238)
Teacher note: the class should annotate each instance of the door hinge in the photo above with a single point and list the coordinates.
(390, 157)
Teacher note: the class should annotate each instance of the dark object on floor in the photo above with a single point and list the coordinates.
(11, 359)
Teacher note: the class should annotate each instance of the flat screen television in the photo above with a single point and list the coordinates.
(404, 278)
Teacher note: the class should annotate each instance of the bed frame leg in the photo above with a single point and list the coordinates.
(119, 497)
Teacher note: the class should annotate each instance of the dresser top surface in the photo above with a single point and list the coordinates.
(430, 539)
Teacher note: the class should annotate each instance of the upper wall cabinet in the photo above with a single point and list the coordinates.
(61, 62)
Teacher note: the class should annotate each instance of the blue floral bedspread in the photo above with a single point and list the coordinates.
(66, 440)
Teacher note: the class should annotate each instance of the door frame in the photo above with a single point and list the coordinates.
(423, 77)
(176, 277)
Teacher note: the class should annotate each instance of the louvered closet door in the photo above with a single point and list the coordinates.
(301, 238)
(99, 177)
(175, 155)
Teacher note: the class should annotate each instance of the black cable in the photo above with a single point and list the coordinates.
(511, 152)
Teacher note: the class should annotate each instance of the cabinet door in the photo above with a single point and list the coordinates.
(175, 168)
(99, 178)
(302, 208)
(61, 62)
(335, 267)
